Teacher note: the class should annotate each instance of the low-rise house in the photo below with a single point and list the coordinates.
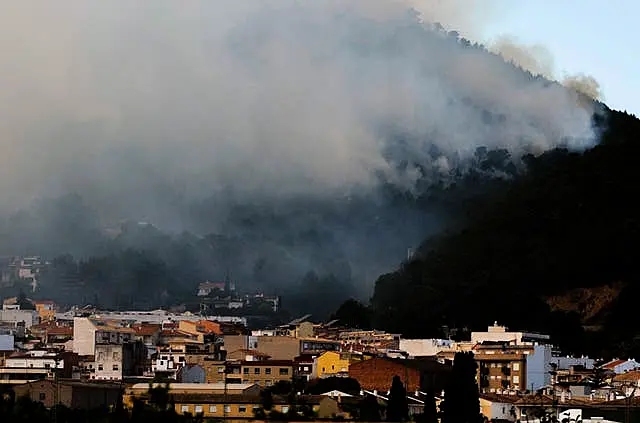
(46, 309)
(148, 334)
(72, 394)
(200, 328)
(332, 364)
(621, 366)
(629, 383)
(191, 373)
(303, 367)
(208, 288)
(16, 315)
(23, 367)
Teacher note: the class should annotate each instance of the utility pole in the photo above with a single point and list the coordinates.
(54, 409)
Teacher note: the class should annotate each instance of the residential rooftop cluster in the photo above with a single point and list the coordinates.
(216, 367)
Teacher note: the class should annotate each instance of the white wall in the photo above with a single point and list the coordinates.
(84, 336)
(29, 317)
(538, 367)
(425, 347)
(33, 362)
(108, 356)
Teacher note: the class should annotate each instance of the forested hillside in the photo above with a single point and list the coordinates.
(571, 221)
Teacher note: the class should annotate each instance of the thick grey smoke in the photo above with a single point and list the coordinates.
(142, 105)
(538, 60)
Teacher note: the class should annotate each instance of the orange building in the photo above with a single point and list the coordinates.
(46, 309)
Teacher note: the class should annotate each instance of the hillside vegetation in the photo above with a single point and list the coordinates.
(571, 221)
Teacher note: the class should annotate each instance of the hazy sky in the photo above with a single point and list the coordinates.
(588, 36)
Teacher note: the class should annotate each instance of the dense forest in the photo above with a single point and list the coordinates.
(570, 222)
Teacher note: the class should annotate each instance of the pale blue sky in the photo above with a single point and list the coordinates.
(600, 38)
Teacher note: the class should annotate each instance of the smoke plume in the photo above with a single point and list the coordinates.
(538, 60)
(138, 106)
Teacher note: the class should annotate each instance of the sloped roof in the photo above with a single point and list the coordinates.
(612, 364)
(632, 376)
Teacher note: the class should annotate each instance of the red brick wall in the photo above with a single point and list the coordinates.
(377, 373)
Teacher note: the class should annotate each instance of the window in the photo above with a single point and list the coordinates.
(323, 370)
(181, 359)
(227, 409)
(284, 372)
(285, 408)
(333, 367)
(516, 379)
(220, 369)
(306, 368)
(47, 365)
(242, 409)
(184, 408)
(116, 356)
(100, 356)
(246, 370)
(100, 367)
(256, 370)
(213, 409)
(198, 409)
(115, 367)
(516, 366)
(267, 371)
(42, 396)
(492, 377)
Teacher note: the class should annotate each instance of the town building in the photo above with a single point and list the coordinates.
(46, 309)
(369, 340)
(266, 373)
(280, 347)
(72, 394)
(426, 347)
(618, 366)
(498, 333)
(27, 366)
(334, 364)
(13, 313)
(377, 373)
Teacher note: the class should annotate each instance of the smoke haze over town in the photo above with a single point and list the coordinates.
(178, 113)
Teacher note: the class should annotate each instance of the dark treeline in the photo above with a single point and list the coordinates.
(571, 221)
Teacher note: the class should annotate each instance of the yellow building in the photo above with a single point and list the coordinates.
(235, 401)
(331, 363)
(46, 310)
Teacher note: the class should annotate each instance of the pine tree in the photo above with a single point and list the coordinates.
(397, 408)
(461, 399)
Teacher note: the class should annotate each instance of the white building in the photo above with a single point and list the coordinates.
(30, 366)
(497, 333)
(14, 314)
(426, 347)
(565, 363)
